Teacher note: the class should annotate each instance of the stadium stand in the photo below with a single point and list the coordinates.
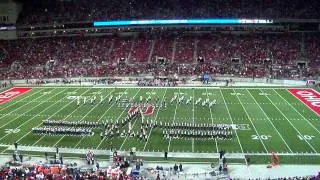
(51, 11)
(48, 171)
(101, 56)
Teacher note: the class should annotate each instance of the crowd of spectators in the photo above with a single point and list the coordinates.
(51, 11)
(254, 55)
(141, 50)
(43, 171)
(185, 48)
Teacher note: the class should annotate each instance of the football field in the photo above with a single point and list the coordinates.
(264, 120)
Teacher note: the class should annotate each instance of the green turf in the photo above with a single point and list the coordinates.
(275, 120)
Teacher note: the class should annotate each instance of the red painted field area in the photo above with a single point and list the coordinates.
(148, 111)
(309, 97)
(12, 93)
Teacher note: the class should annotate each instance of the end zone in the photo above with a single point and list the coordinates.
(12, 93)
(309, 97)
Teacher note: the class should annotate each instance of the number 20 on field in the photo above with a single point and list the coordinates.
(263, 137)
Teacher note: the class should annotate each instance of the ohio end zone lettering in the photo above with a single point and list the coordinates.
(309, 97)
(12, 93)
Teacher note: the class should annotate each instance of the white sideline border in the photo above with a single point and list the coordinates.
(163, 87)
(151, 154)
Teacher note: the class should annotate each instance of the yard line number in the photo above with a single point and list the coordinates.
(150, 93)
(240, 126)
(236, 94)
(95, 93)
(207, 94)
(263, 137)
(307, 137)
(11, 131)
(177, 93)
(46, 92)
(71, 92)
(123, 92)
(264, 94)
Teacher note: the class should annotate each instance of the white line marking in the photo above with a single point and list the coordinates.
(32, 118)
(80, 119)
(34, 107)
(21, 100)
(254, 127)
(212, 123)
(169, 87)
(101, 116)
(193, 117)
(298, 111)
(291, 124)
(134, 121)
(112, 118)
(49, 116)
(234, 130)
(155, 120)
(174, 117)
(270, 121)
(23, 114)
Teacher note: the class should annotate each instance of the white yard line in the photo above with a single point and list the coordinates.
(154, 154)
(198, 156)
(22, 113)
(34, 107)
(119, 118)
(292, 125)
(212, 123)
(298, 111)
(101, 116)
(125, 139)
(193, 117)
(50, 115)
(174, 116)
(245, 159)
(145, 145)
(169, 87)
(43, 101)
(47, 115)
(79, 120)
(270, 121)
(33, 116)
(104, 115)
(233, 123)
(21, 100)
(254, 127)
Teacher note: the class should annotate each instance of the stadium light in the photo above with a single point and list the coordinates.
(180, 22)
